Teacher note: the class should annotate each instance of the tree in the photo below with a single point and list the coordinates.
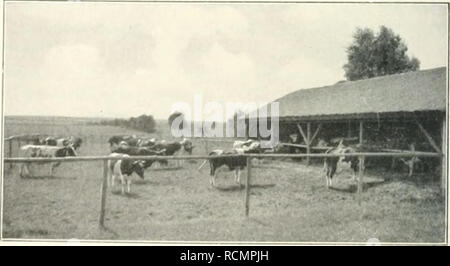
(372, 55)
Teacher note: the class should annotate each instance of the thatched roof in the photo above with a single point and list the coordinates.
(400, 93)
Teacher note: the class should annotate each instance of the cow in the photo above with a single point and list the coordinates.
(236, 163)
(124, 148)
(238, 144)
(44, 151)
(124, 169)
(62, 142)
(331, 163)
(174, 148)
(131, 140)
(147, 142)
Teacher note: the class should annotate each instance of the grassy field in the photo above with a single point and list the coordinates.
(289, 201)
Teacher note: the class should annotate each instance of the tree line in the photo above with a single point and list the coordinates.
(145, 123)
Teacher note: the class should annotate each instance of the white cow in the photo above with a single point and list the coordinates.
(43, 151)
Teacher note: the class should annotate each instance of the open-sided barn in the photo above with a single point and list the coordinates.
(404, 111)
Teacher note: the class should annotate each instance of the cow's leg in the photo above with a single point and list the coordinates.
(21, 170)
(108, 174)
(237, 176)
(411, 167)
(213, 175)
(53, 167)
(122, 179)
(129, 184)
(51, 170)
(24, 170)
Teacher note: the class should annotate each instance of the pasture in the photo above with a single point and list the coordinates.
(289, 201)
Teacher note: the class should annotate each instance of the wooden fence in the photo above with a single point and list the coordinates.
(248, 157)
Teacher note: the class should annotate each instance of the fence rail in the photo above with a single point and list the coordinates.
(253, 155)
(248, 157)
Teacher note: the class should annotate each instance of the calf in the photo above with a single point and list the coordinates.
(331, 163)
(124, 169)
(43, 151)
(235, 163)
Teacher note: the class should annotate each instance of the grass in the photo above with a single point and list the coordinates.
(289, 201)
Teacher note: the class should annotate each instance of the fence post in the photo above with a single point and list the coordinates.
(103, 191)
(206, 146)
(10, 153)
(444, 177)
(360, 178)
(247, 186)
(308, 142)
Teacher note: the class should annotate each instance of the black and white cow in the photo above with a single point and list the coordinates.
(174, 148)
(63, 142)
(124, 148)
(44, 151)
(234, 163)
(123, 169)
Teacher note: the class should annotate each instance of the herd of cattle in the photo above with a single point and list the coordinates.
(125, 146)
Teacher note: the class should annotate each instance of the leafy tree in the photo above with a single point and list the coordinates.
(372, 55)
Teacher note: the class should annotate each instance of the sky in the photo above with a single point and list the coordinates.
(128, 59)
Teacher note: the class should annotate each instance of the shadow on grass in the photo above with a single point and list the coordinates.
(25, 233)
(47, 177)
(352, 188)
(130, 195)
(166, 169)
(268, 166)
(242, 187)
(108, 230)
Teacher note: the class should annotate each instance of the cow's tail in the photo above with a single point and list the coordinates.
(202, 165)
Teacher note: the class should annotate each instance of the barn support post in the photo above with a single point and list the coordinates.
(247, 186)
(247, 125)
(315, 133)
(412, 147)
(308, 142)
(361, 138)
(428, 137)
(444, 158)
(360, 179)
(349, 131)
(361, 163)
(103, 191)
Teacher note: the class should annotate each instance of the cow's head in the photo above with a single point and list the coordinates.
(67, 151)
(138, 168)
(77, 143)
(252, 147)
(187, 145)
